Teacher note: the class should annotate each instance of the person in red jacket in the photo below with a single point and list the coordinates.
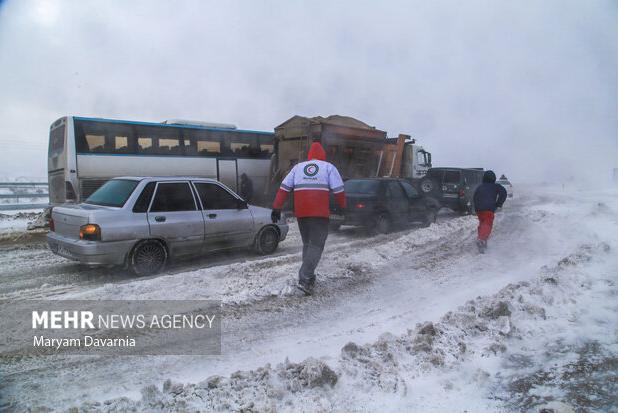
(311, 181)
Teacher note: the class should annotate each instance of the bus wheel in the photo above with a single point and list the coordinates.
(148, 257)
(267, 241)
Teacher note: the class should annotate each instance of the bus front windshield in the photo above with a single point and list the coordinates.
(113, 193)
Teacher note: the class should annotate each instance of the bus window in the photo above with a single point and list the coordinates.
(95, 143)
(267, 146)
(242, 144)
(99, 137)
(158, 141)
(144, 144)
(206, 147)
(121, 144)
(169, 145)
(202, 143)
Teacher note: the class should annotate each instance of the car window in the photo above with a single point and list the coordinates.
(214, 196)
(113, 193)
(142, 203)
(394, 190)
(173, 197)
(411, 192)
(452, 177)
(361, 186)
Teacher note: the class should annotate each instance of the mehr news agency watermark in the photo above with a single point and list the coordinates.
(147, 327)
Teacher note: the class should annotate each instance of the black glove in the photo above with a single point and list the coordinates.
(275, 216)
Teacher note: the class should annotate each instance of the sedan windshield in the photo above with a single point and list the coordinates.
(113, 193)
(355, 186)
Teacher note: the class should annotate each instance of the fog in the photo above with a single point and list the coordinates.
(525, 88)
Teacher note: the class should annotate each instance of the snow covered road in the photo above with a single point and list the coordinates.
(368, 287)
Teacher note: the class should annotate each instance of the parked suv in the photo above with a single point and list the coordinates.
(142, 222)
(381, 204)
(453, 187)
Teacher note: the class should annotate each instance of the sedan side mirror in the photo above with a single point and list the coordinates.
(242, 204)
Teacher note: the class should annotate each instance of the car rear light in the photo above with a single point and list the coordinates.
(90, 232)
(52, 227)
(360, 205)
(462, 193)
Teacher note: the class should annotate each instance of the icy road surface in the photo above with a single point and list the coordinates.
(531, 324)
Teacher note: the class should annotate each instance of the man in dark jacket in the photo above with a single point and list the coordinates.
(487, 198)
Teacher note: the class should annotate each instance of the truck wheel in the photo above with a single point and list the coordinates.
(267, 241)
(148, 257)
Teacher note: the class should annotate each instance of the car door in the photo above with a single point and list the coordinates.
(228, 221)
(418, 209)
(397, 200)
(174, 217)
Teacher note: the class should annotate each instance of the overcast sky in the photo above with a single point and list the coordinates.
(528, 88)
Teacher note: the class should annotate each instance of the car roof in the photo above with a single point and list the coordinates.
(385, 178)
(458, 168)
(167, 178)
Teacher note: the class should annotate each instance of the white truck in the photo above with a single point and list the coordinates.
(404, 158)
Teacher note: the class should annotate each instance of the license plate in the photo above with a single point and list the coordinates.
(64, 252)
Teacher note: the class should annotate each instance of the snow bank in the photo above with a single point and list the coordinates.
(14, 225)
(480, 340)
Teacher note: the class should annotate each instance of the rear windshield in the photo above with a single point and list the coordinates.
(435, 173)
(361, 187)
(56, 141)
(113, 193)
(452, 177)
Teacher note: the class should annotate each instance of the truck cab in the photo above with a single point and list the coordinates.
(416, 161)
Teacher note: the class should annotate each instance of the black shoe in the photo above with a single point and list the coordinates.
(305, 288)
(482, 245)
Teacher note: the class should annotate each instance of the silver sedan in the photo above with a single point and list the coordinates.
(142, 222)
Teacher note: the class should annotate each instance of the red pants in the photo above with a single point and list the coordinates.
(486, 221)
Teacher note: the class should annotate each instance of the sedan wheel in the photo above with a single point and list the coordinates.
(148, 257)
(430, 218)
(382, 224)
(267, 241)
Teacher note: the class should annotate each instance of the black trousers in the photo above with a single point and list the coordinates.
(313, 231)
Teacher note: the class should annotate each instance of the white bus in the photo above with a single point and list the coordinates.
(85, 152)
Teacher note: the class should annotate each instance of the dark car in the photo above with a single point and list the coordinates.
(381, 204)
(453, 188)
